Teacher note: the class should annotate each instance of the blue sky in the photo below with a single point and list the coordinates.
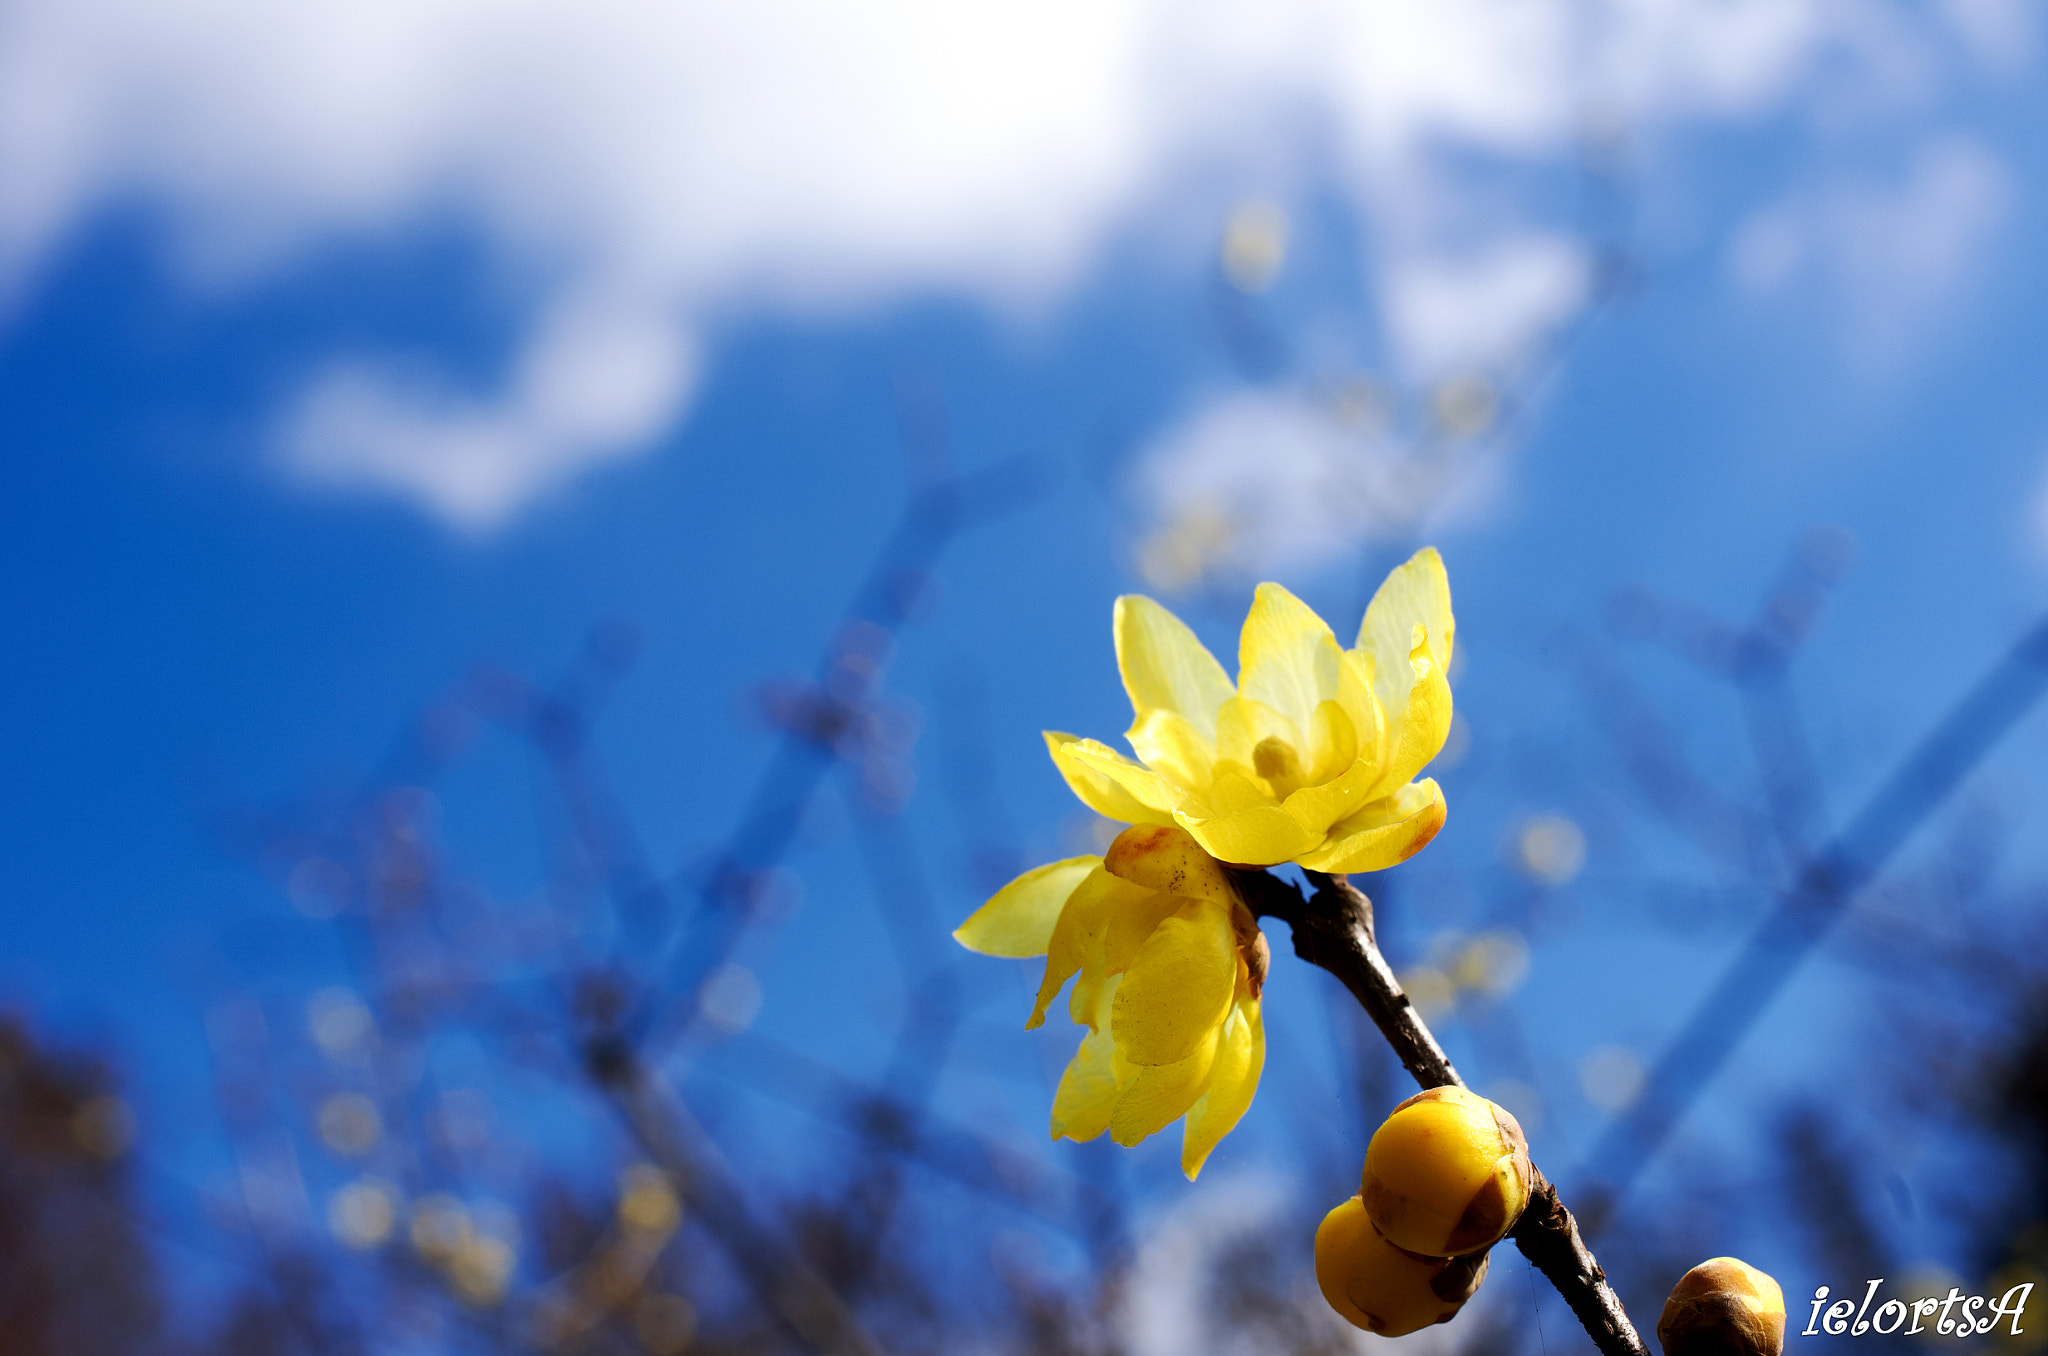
(222, 591)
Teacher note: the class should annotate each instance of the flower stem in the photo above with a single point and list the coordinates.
(1333, 929)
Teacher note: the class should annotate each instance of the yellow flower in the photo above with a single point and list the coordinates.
(1171, 966)
(1310, 756)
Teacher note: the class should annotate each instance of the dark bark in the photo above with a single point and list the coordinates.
(1333, 929)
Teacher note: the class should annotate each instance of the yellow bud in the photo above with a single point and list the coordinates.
(1380, 1288)
(1448, 1174)
(1723, 1307)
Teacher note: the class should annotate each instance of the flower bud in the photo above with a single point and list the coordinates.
(1448, 1174)
(1378, 1287)
(1723, 1307)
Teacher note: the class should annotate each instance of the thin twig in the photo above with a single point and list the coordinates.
(1817, 900)
(801, 1299)
(847, 678)
(1333, 929)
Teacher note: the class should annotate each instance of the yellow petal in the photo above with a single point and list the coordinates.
(1368, 718)
(1077, 936)
(1286, 656)
(1131, 925)
(1179, 986)
(1088, 1090)
(1240, 1057)
(1166, 857)
(1018, 920)
(1332, 742)
(1242, 724)
(1167, 743)
(1418, 734)
(1098, 792)
(1386, 832)
(1233, 789)
(1154, 796)
(1164, 667)
(1417, 593)
(1126, 920)
(1087, 1094)
(1316, 808)
(1263, 835)
(1256, 741)
(1162, 1093)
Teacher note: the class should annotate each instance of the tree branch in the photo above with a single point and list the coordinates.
(792, 1290)
(1333, 929)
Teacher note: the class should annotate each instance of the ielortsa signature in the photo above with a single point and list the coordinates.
(1957, 1315)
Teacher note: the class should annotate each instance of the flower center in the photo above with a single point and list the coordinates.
(1274, 759)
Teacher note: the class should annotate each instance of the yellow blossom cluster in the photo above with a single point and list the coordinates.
(1310, 757)
(1171, 966)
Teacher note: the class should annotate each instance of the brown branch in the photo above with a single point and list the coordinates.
(1333, 929)
(795, 1294)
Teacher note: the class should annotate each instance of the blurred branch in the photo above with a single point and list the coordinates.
(798, 1296)
(1671, 788)
(1333, 929)
(1757, 659)
(1807, 910)
(838, 720)
(816, 726)
(912, 1131)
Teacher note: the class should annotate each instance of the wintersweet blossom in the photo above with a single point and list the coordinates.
(1310, 756)
(1171, 965)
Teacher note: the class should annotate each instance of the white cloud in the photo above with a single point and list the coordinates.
(653, 165)
(1284, 481)
(1474, 287)
(1448, 316)
(1891, 253)
(1181, 1274)
(2038, 521)
(656, 167)
(1166, 1307)
(2000, 33)
(1169, 1303)
(598, 381)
